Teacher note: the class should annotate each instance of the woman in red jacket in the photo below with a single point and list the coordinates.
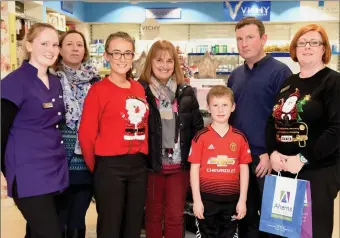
(113, 137)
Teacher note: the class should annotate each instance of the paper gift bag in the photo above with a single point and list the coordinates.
(282, 206)
(307, 231)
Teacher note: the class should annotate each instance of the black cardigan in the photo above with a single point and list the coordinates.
(8, 113)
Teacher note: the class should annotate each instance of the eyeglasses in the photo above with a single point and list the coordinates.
(313, 43)
(117, 55)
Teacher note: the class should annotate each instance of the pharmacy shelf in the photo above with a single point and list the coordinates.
(274, 54)
(279, 54)
(219, 73)
(223, 73)
(286, 54)
(192, 54)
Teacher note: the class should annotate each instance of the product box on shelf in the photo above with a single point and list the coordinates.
(57, 20)
(97, 47)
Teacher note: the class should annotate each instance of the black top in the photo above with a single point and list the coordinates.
(8, 112)
(306, 119)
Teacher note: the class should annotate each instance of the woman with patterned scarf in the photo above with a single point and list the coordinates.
(76, 77)
(174, 120)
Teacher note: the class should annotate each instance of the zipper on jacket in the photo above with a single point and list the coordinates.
(161, 137)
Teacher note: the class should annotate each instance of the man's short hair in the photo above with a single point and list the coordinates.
(251, 21)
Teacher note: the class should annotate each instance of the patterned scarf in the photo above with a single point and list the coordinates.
(165, 97)
(76, 84)
(167, 105)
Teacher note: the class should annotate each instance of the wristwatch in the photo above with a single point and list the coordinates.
(303, 159)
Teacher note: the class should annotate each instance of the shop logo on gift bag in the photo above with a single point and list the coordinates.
(285, 195)
(283, 205)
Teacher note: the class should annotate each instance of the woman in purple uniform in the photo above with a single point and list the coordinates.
(33, 156)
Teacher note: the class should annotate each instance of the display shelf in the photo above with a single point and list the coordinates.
(96, 55)
(57, 20)
(223, 73)
(219, 73)
(286, 54)
(13, 41)
(192, 54)
(274, 54)
(194, 36)
(279, 54)
(27, 17)
(227, 62)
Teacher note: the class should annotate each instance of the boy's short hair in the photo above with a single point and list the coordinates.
(220, 91)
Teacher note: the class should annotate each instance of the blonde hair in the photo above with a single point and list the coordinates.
(162, 45)
(325, 42)
(33, 32)
(125, 36)
(220, 91)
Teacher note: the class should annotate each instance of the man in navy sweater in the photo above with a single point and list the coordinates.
(255, 85)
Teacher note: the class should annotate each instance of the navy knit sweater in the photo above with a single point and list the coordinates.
(255, 92)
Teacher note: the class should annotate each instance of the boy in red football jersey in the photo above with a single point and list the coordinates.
(219, 171)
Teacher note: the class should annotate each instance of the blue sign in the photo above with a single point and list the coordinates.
(67, 6)
(163, 13)
(235, 11)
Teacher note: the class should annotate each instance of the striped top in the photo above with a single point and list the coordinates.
(220, 158)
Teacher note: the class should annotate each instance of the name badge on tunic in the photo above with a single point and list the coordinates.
(285, 89)
(47, 105)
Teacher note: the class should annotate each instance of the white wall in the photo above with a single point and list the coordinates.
(85, 28)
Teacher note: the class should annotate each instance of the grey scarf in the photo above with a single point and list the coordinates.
(167, 105)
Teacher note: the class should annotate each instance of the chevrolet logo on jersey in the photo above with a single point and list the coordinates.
(221, 160)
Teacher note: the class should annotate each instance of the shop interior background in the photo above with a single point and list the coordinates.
(195, 27)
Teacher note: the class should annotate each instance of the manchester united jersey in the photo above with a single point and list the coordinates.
(219, 158)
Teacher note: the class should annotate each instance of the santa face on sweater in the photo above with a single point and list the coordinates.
(290, 127)
(289, 105)
(135, 117)
(287, 110)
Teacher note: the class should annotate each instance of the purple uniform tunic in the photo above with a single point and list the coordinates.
(35, 156)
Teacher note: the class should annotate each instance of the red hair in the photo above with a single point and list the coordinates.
(303, 30)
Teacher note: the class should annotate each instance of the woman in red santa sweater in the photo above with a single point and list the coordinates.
(113, 136)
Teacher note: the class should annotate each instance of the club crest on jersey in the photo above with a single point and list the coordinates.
(233, 146)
